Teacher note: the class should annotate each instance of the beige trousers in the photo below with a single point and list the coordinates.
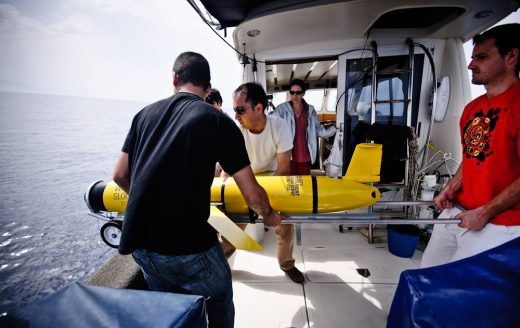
(284, 237)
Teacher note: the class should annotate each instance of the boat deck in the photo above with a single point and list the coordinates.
(335, 294)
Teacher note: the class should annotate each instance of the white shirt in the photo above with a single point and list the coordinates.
(262, 148)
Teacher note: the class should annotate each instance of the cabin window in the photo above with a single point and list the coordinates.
(359, 89)
(279, 98)
(391, 98)
(323, 100)
(314, 98)
(331, 103)
(379, 93)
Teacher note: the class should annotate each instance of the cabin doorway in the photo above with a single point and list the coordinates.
(383, 99)
(321, 78)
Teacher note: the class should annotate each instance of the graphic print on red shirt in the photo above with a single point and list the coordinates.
(477, 134)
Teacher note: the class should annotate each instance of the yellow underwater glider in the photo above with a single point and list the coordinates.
(287, 194)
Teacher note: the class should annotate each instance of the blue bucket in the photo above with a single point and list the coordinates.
(402, 239)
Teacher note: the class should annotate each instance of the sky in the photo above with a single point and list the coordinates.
(118, 49)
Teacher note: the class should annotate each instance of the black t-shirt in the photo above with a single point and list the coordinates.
(173, 146)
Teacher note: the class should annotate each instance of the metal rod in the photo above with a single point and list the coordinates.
(350, 219)
(361, 221)
(298, 231)
(382, 203)
(365, 221)
(405, 203)
(370, 235)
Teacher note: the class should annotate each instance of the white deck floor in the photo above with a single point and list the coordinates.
(334, 293)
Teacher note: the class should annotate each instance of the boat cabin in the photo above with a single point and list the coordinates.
(395, 63)
(389, 71)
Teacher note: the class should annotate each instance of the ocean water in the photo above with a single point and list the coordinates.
(51, 149)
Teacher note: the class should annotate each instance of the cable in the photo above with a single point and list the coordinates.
(364, 73)
(434, 78)
(191, 2)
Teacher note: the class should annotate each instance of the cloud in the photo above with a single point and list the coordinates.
(132, 7)
(79, 54)
(113, 49)
(157, 11)
(115, 6)
(15, 25)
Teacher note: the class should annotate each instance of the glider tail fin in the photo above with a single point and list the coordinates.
(365, 165)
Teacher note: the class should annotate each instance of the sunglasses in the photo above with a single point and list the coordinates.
(296, 92)
(239, 110)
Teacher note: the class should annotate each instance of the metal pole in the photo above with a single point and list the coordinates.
(360, 218)
(349, 218)
(380, 203)
(405, 203)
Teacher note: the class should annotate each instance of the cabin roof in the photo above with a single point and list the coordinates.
(278, 32)
(357, 18)
(231, 13)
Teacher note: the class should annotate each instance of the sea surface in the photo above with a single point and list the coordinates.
(51, 149)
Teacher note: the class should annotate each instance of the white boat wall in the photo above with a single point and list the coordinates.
(331, 44)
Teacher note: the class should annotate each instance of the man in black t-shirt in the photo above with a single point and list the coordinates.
(166, 166)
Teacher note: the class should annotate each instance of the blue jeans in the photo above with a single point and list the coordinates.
(206, 274)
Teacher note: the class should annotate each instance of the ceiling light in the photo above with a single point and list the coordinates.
(253, 33)
(333, 64)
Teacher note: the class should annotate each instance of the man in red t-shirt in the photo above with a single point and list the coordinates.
(487, 185)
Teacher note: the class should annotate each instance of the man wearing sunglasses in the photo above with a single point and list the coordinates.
(268, 143)
(305, 128)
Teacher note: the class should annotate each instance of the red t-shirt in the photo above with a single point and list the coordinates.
(490, 133)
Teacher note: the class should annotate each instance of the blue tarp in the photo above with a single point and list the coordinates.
(479, 291)
(79, 305)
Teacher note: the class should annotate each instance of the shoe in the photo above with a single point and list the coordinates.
(295, 275)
